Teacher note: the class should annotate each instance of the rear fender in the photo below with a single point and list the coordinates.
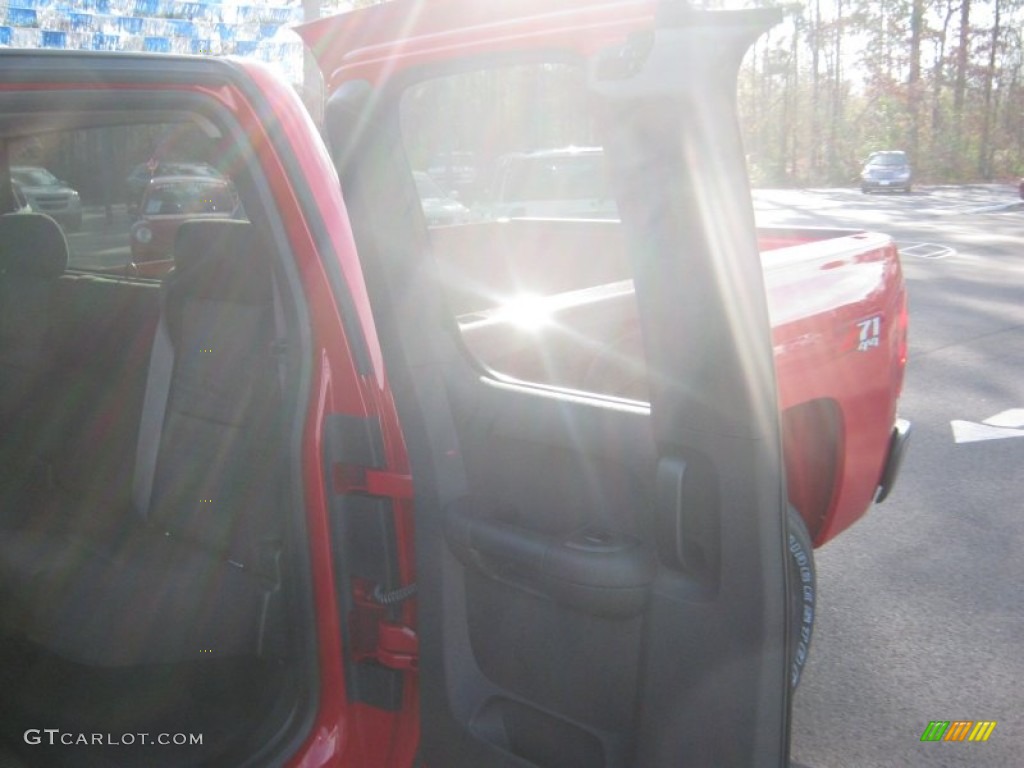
(812, 436)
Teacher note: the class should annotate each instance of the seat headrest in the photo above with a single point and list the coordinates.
(222, 259)
(32, 244)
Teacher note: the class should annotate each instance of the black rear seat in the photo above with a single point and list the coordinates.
(104, 327)
(33, 255)
(181, 578)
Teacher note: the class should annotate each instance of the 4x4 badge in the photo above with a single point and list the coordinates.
(870, 333)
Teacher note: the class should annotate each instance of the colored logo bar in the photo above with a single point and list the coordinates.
(958, 730)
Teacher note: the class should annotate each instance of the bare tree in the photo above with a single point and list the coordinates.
(914, 77)
(985, 145)
(960, 86)
(836, 122)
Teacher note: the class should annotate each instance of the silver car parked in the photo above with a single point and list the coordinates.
(45, 193)
(886, 171)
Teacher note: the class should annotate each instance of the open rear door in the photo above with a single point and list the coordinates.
(599, 520)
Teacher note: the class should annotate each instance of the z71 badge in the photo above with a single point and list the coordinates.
(870, 333)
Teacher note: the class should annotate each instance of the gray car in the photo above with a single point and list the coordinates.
(45, 193)
(887, 171)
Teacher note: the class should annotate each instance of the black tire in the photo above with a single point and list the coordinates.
(803, 587)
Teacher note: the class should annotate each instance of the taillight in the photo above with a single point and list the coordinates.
(902, 340)
(904, 329)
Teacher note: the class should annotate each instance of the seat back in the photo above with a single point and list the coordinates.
(214, 480)
(33, 254)
(104, 328)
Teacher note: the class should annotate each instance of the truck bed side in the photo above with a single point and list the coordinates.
(567, 318)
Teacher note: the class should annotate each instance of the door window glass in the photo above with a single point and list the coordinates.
(512, 178)
(120, 192)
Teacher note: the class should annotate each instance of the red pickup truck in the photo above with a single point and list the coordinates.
(309, 498)
(837, 304)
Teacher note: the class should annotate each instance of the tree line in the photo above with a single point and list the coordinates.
(837, 79)
(942, 80)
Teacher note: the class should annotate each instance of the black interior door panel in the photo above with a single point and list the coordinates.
(601, 584)
(592, 569)
(554, 563)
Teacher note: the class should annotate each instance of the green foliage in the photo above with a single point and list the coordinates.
(841, 78)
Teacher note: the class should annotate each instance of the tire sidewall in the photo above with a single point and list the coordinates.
(803, 593)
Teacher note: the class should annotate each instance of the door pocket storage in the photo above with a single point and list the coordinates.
(540, 739)
(596, 571)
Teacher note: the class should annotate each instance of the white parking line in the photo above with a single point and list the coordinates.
(1002, 426)
(927, 250)
(996, 208)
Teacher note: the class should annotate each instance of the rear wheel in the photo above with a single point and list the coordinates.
(803, 593)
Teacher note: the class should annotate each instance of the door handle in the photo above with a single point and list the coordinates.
(687, 517)
(595, 570)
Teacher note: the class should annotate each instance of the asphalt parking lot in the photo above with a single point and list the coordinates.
(101, 242)
(921, 611)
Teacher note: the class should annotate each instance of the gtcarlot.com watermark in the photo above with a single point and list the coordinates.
(55, 737)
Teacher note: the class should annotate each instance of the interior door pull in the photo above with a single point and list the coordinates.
(597, 571)
(687, 516)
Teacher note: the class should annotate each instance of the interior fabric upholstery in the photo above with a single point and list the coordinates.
(33, 244)
(104, 330)
(155, 600)
(33, 254)
(70, 466)
(181, 578)
(215, 470)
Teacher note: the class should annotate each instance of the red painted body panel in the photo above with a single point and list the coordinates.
(375, 43)
(818, 294)
(345, 734)
(821, 286)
